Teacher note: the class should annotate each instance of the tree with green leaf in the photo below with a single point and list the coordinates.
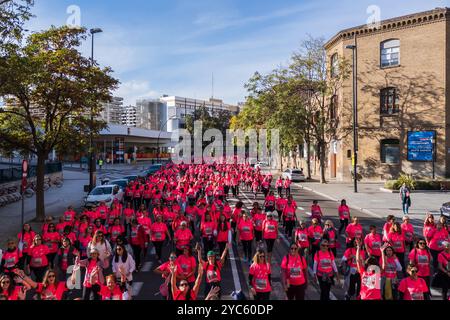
(49, 90)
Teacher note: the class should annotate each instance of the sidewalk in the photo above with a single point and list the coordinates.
(56, 202)
(372, 201)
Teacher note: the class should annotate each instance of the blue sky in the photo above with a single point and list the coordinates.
(172, 47)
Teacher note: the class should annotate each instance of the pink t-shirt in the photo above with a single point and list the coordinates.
(370, 285)
(354, 231)
(294, 269)
(270, 229)
(186, 266)
(245, 230)
(260, 273)
(413, 289)
(422, 259)
(158, 231)
(373, 242)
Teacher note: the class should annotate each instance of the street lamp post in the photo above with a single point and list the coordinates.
(160, 131)
(92, 163)
(355, 116)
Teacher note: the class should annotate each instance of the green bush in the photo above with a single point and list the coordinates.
(406, 179)
(419, 184)
(390, 184)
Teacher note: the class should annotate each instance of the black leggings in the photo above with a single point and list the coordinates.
(158, 248)
(355, 285)
(426, 295)
(289, 227)
(95, 290)
(435, 255)
(39, 273)
(279, 190)
(296, 292)
(262, 296)
(51, 260)
(137, 254)
(269, 244)
(325, 288)
(343, 226)
(258, 235)
(247, 247)
(401, 259)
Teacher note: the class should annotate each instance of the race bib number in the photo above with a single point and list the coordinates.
(416, 295)
(36, 262)
(212, 276)
(261, 284)
(295, 272)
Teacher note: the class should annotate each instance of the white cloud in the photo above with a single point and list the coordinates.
(134, 89)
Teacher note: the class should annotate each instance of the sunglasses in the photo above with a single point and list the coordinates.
(119, 249)
(324, 245)
(414, 271)
(184, 284)
(51, 276)
(292, 249)
(422, 243)
(6, 281)
(262, 256)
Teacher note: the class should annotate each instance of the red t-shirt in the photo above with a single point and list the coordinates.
(51, 292)
(245, 230)
(186, 266)
(344, 212)
(354, 231)
(258, 219)
(324, 262)
(370, 285)
(301, 238)
(222, 236)
(315, 233)
(373, 242)
(207, 229)
(413, 289)
(270, 229)
(294, 269)
(51, 236)
(397, 241)
(38, 256)
(158, 231)
(260, 273)
(212, 272)
(422, 259)
(183, 238)
(115, 294)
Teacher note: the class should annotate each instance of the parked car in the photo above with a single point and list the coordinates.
(130, 178)
(445, 209)
(261, 164)
(106, 193)
(294, 175)
(122, 183)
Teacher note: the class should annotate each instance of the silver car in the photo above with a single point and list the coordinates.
(295, 175)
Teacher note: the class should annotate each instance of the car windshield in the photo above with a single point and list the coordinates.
(296, 171)
(120, 183)
(101, 191)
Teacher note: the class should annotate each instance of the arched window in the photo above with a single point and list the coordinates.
(389, 101)
(390, 53)
(334, 65)
(390, 151)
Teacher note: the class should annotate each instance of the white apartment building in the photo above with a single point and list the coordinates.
(151, 114)
(180, 107)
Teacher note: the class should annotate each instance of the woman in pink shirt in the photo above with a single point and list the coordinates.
(390, 267)
(246, 235)
(182, 237)
(208, 230)
(408, 232)
(344, 215)
(437, 237)
(412, 287)
(444, 269)
(428, 227)
(353, 230)
(259, 276)
(301, 239)
(270, 233)
(397, 241)
(280, 204)
(325, 270)
(269, 203)
(373, 243)
(370, 276)
(316, 211)
(52, 240)
(387, 226)
(420, 257)
(223, 230)
(38, 258)
(330, 234)
(315, 234)
(279, 186)
(158, 233)
(294, 274)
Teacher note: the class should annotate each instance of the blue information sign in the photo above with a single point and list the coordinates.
(420, 145)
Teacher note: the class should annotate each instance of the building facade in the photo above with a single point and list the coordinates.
(179, 107)
(402, 97)
(112, 111)
(151, 114)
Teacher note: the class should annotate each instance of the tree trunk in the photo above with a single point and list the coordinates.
(322, 162)
(40, 176)
(308, 156)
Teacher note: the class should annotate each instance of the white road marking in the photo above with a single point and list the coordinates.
(300, 208)
(237, 284)
(147, 266)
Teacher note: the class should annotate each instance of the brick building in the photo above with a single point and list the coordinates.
(403, 86)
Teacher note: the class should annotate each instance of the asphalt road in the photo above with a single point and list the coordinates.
(235, 271)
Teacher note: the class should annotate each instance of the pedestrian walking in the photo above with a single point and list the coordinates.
(405, 196)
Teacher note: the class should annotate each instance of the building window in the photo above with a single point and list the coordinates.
(333, 107)
(389, 101)
(390, 151)
(390, 53)
(334, 65)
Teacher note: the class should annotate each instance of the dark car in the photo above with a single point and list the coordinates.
(445, 209)
(131, 178)
(150, 170)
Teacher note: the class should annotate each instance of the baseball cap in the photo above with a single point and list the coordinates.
(211, 253)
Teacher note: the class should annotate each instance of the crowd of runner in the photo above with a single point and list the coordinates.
(187, 206)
